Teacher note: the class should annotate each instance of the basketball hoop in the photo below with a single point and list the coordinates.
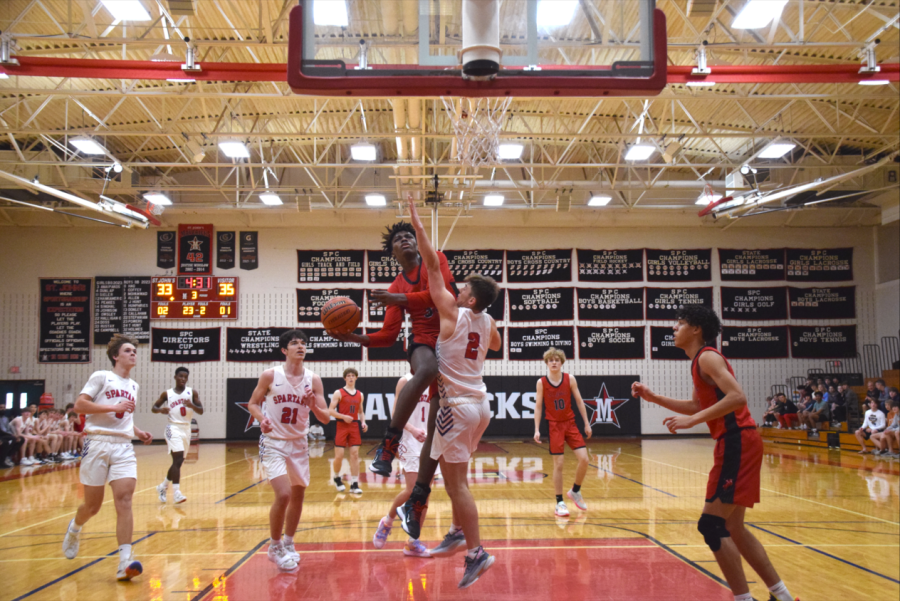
(476, 126)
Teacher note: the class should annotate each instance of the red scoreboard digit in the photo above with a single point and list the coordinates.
(193, 297)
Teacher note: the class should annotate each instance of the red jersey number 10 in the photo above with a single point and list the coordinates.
(472, 347)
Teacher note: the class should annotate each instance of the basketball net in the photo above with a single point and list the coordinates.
(476, 125)
(153, 208)
(708, 195)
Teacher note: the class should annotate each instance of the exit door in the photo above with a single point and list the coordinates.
(18, 394)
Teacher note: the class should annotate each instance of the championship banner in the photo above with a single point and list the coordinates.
(753, 304)
(823, 342)
(309, 302)
(121, 305)
(529, 344)
(195, 248)
(611, 343)
(662, 345)
(375, 311)
(253, 344)
(819, 265)
(331, 266)
(65, 321)
(823, 303)
(225, 250)
(486, 262)
(679, 265)
(383, 267)
(541, 304)
(611, 265)
(249, 250)
(663, 303)
(185, 345)
(396, 352)
(751, 265)
(610, 304)
(322, 347)
(751, 342)
(539, 265)
(497, 310)
(165, 250)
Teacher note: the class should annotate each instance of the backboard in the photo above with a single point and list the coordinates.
(476, 48)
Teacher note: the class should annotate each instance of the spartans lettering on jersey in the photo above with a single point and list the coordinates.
(113, 394)
(285, 398)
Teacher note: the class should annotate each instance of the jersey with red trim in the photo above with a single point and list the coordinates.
(349, 404)
(426, 323)
(710, 394)
(557, 400)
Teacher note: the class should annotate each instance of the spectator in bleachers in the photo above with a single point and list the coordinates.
(838, 406)
(883, 394)
(851, 399)
(893, 394)
(817, 412)
(888, 440)
(769, 418)
(873, 422)
(786, 412)
(808, 389)
(10, 442)
(871, 391)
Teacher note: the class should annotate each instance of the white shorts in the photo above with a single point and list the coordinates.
(410, 450)
(107, 458)
(178, 437)
(280, 457)
(458, 429)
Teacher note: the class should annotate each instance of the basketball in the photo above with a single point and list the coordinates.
(341, 315)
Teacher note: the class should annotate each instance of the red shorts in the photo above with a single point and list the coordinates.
(347, 435)
(735, 475)
(562, 433)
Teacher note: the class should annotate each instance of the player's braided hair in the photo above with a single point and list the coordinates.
(701, 317)
(387, 238)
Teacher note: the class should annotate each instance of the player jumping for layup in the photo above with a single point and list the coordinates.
(180, 404)
(733, 484)
(466, 334)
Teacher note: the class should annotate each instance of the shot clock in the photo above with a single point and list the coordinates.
(193, 297)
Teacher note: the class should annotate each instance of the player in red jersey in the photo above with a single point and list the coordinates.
(409, 293)
(346, 403)
(733, 484)
(555, 392)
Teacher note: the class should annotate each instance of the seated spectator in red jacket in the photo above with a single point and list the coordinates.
(786, 412)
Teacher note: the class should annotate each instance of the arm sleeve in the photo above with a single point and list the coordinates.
(422, 300)
(94, 384)
(387, 335)
(880, 422)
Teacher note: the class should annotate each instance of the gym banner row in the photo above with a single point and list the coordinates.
(521, 344)
(608, 266)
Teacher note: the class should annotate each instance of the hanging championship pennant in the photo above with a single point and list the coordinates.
(249, 250)
(309, 302)
(611, 343)
(165, 250)
(679, 265)
(486, 262)
(185, 345)
(529, 344)
(611, 265)
(819, 265)
(823, 342)
(395, 352)
(65, 321)
(253, 344)
(330, 266)
(751, 265)
(662, 345)
(322, 347)
(663, 303)
(383, 267)
(539, 265)
(751, 342)
(195, 248)
(753, 304)
(823, 303)
(225, 250)
(610, 304)
(541, 304)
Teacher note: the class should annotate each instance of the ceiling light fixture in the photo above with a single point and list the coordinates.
(331, 12)
(555, 13)
(509, 152)
(376, 200)
(87, 146)
(493, 200)
(363, 152)
(234, 149)
(126, 10)
(776, 150)
(599, 201)
(639, 152)
(758, 13)
(157, 198)
(269, 199)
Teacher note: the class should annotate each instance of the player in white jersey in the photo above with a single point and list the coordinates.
(179, 404)
(411, 442)
(281, 404)
(467, 332)
(108, 400)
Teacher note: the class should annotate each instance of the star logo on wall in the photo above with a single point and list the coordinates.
(604, 407)
(195, 243)
(251, 421)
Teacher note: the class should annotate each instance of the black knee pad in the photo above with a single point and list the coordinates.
(713, 530)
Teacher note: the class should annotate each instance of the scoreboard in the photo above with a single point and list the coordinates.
(193, 297)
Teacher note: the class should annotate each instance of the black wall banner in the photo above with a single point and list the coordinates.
(662, 345)
(121, 305)
(663, 303)
(195, 248)
(753, 342)
(823, 303)
(497, 310)
(679, 265)
(225, 250)
(331, 266)
(396, 352)
(539, 265)
(541, 304)
(185, 345)
(253, 344)
(323, 347)
(383, 267)
(754, 265)
(529, 344)
(375, 310)
(819, 264)
(485, 262)
(249, 250)
(610, 408)
(309, 302)
(65, 316)
(605, 304)
(752, 304)
(611, 343)
(165, 250)
(823, 342)
(611, 265)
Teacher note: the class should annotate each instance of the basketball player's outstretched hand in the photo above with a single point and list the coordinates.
(680, 422)
(640, 391)
(413, 214)
(265, 425)
(124, 407)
